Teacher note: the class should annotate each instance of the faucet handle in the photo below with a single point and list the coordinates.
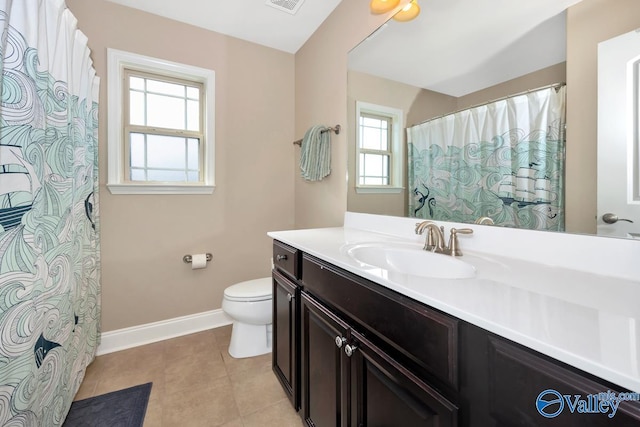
(461, 231)
(454, 246)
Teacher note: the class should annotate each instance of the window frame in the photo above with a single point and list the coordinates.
(396, 165)
(129, 128)
(633, 150)
(117, 156)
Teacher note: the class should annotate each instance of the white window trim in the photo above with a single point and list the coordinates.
(633, 146)
(117, 60)
(397, 148)
(378, 189)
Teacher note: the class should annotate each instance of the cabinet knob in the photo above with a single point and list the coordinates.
(289, 297)
(281, 257)
(340, 341)
(349, 349)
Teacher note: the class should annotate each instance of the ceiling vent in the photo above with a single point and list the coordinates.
(289, 6)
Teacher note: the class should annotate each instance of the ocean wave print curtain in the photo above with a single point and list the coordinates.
(49, 248)
(504, 160)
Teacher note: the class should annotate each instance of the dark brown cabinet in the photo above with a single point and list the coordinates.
(285, 330)
(325, 369)
(384, 393)
(352, 353)
(418, 337)
(519, 377)
(348, 381)
(286, 260)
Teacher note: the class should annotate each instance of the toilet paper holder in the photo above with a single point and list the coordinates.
(188, 258)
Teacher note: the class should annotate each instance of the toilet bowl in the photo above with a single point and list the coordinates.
(249, 305)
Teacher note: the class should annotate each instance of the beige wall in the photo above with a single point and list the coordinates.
(588, 23)
(546, 76)
(144, 237)
(321, 98)
(429, 104)
(367, 88)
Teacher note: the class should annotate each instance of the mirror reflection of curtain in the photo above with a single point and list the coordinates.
(504, 160)
(49, 226)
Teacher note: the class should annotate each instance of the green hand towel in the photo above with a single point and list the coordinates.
(315, 156)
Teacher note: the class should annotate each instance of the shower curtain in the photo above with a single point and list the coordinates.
(49, 228)
(503, 160)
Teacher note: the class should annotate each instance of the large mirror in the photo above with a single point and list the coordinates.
(467, 53)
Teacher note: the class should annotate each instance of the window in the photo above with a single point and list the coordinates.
(379, 148)
(375, 149)
(161, 132)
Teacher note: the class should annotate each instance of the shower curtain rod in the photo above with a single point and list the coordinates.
(553, 85)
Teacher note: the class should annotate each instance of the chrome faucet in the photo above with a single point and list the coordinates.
(435, 238)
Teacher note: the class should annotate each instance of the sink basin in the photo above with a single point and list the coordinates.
(410, 259)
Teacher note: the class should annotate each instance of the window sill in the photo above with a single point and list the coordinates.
(160, 189)
(379, 190)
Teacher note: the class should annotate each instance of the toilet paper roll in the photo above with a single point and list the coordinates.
(198, 261)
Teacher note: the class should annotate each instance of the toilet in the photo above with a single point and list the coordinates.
(249, 304)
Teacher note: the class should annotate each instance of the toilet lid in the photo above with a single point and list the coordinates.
(251, 290)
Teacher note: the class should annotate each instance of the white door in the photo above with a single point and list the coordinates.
(618, 143)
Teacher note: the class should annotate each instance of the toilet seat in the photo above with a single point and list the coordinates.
(250, 291)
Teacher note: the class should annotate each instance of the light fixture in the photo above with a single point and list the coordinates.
(383, 6)
(409, 12)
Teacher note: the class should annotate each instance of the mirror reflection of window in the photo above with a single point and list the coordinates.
(379, 148)
(375, 149)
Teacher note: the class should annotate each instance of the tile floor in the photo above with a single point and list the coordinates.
(196, 383)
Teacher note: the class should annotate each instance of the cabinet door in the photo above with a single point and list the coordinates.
(285, 330)
(386, 394)
(518, 378)
(324, 366)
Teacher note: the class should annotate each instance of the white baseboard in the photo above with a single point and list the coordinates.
(134, 336)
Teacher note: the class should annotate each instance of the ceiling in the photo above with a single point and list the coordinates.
(454, 47)
(457, 47)
(251, 20)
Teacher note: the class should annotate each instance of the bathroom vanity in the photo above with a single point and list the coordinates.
(357, 345)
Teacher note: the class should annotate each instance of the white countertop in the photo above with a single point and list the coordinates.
(586, 320)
